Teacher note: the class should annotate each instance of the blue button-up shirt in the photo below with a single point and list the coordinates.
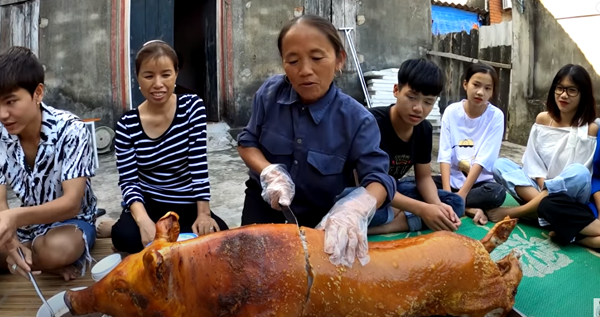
(320, 145)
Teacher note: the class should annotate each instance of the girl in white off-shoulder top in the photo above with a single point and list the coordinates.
(560, 149)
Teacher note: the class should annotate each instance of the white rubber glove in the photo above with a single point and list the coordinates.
(346, 227)
(278, 187)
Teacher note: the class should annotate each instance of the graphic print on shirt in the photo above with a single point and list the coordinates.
(399, 165)
(465, 155)
(64, 153)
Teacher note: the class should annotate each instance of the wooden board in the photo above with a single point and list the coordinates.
(18, 297)
(19, 24)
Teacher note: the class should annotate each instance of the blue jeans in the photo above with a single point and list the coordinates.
(575, 180)
(89, 238)
(408, 187)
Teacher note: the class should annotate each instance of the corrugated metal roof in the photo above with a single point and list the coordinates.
(458, 5)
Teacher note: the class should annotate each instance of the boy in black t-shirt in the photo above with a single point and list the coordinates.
(407, 139)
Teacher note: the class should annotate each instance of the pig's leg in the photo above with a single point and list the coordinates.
(498, 234)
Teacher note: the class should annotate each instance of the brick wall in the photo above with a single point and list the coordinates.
(495, 7)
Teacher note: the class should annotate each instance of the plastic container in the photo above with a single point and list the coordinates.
(186, 236)
(183, 237)
(102, 268)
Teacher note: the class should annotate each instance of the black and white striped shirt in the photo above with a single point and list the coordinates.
(172, 168)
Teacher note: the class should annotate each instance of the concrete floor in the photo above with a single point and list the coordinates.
(227, 176)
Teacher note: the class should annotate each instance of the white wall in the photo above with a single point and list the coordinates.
(496, 35)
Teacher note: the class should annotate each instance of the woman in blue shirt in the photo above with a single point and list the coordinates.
(305, 139)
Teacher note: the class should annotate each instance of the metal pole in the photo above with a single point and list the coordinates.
(357, 63)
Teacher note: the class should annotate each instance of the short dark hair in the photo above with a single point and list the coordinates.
(321, 24)
(586, 110)
(155, 49)
(20, 69)
(486, 69)
(422, 76)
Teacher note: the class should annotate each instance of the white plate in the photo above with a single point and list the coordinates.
(57, 302)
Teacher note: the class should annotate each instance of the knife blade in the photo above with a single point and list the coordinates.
(289, 215)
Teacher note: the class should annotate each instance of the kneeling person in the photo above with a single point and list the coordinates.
(407, 139)
(46, 158)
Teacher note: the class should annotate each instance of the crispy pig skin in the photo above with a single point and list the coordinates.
(278, 270)
(252, 272)
(436, 274)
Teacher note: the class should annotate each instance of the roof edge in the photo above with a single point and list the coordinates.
(458, 6)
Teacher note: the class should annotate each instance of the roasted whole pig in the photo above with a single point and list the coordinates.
(278, 270)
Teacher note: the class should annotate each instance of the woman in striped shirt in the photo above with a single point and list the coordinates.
(161, 156)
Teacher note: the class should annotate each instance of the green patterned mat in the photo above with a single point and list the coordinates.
(557, 281)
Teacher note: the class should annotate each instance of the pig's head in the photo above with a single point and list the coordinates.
(138, 286)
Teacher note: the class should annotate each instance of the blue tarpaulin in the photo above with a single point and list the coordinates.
(450, 20)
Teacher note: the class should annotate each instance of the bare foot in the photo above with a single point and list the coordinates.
(68, 272)
(498, 214)
(104, 228)
(477, 214)
(480, 218)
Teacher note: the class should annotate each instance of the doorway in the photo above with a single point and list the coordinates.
(190, 27)
(195, 32)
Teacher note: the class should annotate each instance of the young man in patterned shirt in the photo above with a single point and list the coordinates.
(46, 159)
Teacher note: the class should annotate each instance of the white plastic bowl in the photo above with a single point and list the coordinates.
(186, 236)
(57, 302)
(102, 268)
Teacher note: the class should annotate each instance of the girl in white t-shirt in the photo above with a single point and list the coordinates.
(470, 141)
(560, 149)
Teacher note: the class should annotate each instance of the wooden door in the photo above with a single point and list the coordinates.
(150, 20)
(19, 24)
(343, 14)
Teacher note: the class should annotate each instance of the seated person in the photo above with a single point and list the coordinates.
(407, 139)
(161, 157)
(47, 159)
(560, 149)
(470, 140)
(570, 220)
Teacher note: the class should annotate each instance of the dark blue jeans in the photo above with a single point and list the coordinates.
(408, 187)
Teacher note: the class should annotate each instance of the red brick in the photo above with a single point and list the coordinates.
(495, 7)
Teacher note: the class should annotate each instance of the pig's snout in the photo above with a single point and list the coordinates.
(67, 299)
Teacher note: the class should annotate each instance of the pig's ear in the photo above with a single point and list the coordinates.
(167, 228)
(154, 262)
(153, 259)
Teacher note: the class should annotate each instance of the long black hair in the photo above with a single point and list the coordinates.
(586, 109)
